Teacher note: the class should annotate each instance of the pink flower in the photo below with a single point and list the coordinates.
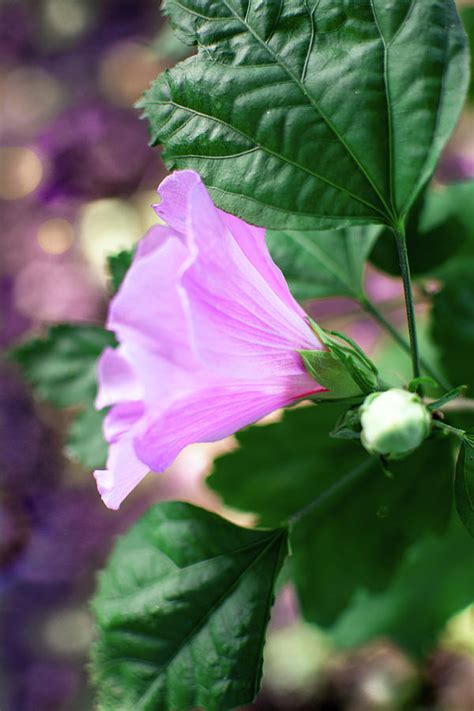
(209, 337)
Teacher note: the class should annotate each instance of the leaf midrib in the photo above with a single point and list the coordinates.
(162, 669)
(318, 109)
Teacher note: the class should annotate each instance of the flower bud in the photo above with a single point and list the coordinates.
(394, 423)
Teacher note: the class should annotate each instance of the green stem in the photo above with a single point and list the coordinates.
(377, 315)
(409, 301)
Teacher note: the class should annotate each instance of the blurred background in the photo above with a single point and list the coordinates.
(76, 183)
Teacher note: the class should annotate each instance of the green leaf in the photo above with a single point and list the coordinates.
(182, 609)
(380, 517)
(118, 265)
(435, 581)
(317, 265)
(61, 368)
(436, 230)
(452, 322)
(85, 442)
(168, 46)
(464, 483)
(440, 227)
(467, 16)
(356, 534)
(305, 114)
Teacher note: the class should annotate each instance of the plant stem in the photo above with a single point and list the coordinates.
(409, 301)
(377, 315)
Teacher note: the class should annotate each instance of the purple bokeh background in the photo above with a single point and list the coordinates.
(74, 150)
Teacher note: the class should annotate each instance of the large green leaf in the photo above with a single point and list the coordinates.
(380, 519)
(435, 581)
(464, 483)
(321, 264)
(61, 367)
(453, 322)
(362, 523)
(182, 610)
(311, 114)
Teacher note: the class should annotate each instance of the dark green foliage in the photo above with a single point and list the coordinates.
(364, 526)
(61, 368)
(467, 16)
(85, 441)
(363, 522)
(118, 265)
(452, 323)
(434, 231)
(435, 580)
(182, 609)
(321, 118)
(464, 483)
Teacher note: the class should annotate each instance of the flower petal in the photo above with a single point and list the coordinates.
(117, 381)
(208, 415)
(209, 338)
(242, 316)
(124, 472)
(151, 309)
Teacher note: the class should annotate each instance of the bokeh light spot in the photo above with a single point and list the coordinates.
(67, 18)
(30, 97)
(55, 236)
(126, 71)
(21, 171)
(69, 631)
(106, 227)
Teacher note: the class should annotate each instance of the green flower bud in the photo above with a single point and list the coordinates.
(394, 423)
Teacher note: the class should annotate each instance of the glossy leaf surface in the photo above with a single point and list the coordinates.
(266, 110)
(182, 610)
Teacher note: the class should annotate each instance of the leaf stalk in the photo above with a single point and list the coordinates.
(409, 300)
